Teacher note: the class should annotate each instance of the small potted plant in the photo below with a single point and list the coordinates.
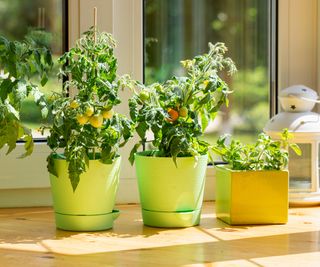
(171, 175)
(22, 65)
(85, 136)
(253, 187)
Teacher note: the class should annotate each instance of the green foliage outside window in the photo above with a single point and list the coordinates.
(20, 64)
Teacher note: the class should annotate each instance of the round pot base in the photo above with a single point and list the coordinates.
(171, 219)
(86, 222)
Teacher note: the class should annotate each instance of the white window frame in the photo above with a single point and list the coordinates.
(26, 183)
(298, 43)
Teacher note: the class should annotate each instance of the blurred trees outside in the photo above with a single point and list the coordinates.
(19, 18)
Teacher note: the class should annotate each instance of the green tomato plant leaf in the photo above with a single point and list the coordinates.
(28, 146)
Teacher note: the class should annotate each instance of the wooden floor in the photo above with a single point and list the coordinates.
(28, 238)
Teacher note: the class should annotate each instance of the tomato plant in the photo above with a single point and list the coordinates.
(265, 154)
(21, 63)
(85, 126)
(178, 111)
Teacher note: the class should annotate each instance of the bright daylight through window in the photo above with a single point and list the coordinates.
(43, 20)
(180, 29)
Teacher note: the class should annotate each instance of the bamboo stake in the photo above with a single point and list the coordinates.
(95, 10)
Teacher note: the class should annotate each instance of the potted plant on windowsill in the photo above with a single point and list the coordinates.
(22, 64)
(171, 176)
(85, 136)
(253, 187)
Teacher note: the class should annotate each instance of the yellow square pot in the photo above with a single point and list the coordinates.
(251, 197)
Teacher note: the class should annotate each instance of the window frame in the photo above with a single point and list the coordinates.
(273, 52)
(23, 181)
(126, 23)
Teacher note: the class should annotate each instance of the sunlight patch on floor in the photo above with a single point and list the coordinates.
(311, 259)
(86, 243)
(24, 247)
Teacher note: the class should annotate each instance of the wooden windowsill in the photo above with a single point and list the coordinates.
(28, 237)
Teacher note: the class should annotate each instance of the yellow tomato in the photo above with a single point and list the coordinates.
(82, 119)
(183, 112)
(107, 114)
(96, 120)
(74, 104)
(89, 111)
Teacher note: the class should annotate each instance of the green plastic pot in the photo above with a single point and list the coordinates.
(170, 196)
(90, 207)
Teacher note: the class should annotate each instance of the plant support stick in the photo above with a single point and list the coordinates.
(95, 10)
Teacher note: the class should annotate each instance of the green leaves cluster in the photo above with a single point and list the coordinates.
(85, 126)
(265, 154)
(19, 63)
(178, 111)
(91, 68)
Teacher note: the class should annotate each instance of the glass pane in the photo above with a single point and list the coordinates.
(180, 29)
(300, 169)
(20, 17)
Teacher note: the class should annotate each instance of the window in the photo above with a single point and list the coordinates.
(182, 19)
(300, 169)
(23, 182)
(180, 29)
(19, 18)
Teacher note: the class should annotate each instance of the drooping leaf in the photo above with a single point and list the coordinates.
(296, 149)
(11, 135)
(28, 146)
(204, 120)
(74, 177)
(6, 88)
(44, 79)
(51, 166)
(141, 129)
(133, 152)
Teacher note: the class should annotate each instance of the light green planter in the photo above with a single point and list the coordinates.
(170, 196)
(90, 207)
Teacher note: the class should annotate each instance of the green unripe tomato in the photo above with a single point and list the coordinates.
(144, 95)
(183, 112)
